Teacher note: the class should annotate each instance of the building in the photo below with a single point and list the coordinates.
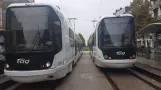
(156, 12)
(156, 8)
(125, 10)
(8, 2)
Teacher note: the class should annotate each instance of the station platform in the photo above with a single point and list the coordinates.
(150, 65)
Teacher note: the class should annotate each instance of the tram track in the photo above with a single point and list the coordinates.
(46, 85)
(11, 85)
(148, 74)
(123, 84)
(6, 83)
(113, 84)
(136, 74)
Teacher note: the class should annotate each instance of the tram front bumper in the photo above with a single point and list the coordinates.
(36, 75)
(115, 63)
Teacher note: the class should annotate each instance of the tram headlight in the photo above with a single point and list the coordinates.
(48, 64)
(106, 57)
(7, 66)
(133, 56)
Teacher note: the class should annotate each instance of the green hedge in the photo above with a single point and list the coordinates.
(85, 49)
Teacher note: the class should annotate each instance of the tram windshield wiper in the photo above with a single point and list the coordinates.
(35, 40)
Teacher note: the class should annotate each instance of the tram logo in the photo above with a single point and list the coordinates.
(22, 61)
(120, 53)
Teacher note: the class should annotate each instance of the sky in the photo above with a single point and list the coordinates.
(87, 10)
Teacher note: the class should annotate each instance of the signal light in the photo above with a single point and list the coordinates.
(133, 56)
(106, 57)
(110, 58)
(130, 57)
(41, 67)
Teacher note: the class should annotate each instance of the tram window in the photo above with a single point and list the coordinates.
(57, 32)
(71, 37)
(71, 34)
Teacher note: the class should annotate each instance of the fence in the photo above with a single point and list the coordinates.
(149, 53)
(145, 52)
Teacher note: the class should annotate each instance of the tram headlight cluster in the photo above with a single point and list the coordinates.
(106, 57)
(48, 64)
(7, 66)
(133, 56)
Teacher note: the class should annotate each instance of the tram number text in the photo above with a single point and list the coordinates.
(120, 53)
(23, 61)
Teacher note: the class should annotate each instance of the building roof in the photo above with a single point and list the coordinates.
(151, 28)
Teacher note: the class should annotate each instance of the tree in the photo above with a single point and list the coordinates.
(142, 13)
(1, 6)
(0, 26)
(82, 38)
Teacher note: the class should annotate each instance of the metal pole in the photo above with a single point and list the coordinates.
(74, 24)
(143, 45)
(74, 21)
(94, 23)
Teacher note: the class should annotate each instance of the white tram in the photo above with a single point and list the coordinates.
(40, 44)
(113, 45)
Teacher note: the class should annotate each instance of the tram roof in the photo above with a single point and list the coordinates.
(106, 16)
(55, 7)
(121, 15)
(151, 28)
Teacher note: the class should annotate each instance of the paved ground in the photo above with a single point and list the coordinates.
(126, 81)
(85, 76)
(150, 62)
(149, 65)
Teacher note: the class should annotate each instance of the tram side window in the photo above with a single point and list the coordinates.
(99, 35)
(94, 38)
(71, 37)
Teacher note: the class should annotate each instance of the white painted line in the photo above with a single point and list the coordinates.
(14, 86)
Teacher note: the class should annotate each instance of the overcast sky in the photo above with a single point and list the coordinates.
(87, 10)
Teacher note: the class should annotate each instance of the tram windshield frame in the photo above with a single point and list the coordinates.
(116, 32)
(31, 28)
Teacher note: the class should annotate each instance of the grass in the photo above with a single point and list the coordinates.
(85, 49)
